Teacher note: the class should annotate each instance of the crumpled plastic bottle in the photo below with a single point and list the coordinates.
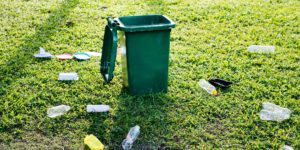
(131, 137)
(57, 111)
(274, 112)
(286, 147)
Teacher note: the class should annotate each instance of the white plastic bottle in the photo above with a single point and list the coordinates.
(131, 137)
(57, 111)
(207, 87)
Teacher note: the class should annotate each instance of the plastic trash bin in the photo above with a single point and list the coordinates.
(145, 45)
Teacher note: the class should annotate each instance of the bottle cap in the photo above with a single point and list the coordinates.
(214, 92)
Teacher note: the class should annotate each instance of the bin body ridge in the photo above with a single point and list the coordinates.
(145, 60)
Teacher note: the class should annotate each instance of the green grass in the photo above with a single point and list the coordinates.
(209, 41)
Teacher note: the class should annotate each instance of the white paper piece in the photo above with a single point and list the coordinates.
(68, 76)
(93, 53)
(43, 54)
(286, 147)
(261, 49)
(97, 108)
(274, 112)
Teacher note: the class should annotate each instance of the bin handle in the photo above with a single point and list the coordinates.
(111, 22)
(108, 63)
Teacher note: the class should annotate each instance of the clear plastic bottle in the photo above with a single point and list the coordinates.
(131, 137)
(274, 112)
(207, 87)
(57, 111)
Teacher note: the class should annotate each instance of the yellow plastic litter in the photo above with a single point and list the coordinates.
(93, 142)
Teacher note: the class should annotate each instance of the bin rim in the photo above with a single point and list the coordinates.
(161, 26)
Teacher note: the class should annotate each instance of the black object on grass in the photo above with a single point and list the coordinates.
(104, 7)
(220, 83)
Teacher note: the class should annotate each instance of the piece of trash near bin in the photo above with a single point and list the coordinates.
(145, 46)
(82, 56)
(131, 137)
(93, 142)
(68, 76)
(286, 147)
(93, 53)
(97, 108)
(273, 112)
(261, 49)
(43, 54)
(57, 111)
(220, 83)
(64, 56)
(207, 87)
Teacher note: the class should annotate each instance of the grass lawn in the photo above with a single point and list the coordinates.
(209, 41)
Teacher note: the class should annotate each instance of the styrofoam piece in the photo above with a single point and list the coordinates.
(68, 76)
(43, 54)
(93, 53)
(97, 108)
(261, 49)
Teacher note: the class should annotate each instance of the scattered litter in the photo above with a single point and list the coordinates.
(274, 112)
(68, 76)
(104, 7)
(64, 56)
(82, 56)
(208, 87)
(93, 142)
(261, 49)
(43, 54)
(97, 108)
(286, 147)
(93, 53)
(220, 83)
(57, 111)
(131, 137)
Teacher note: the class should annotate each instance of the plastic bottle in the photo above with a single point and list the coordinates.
(57, 111)
(208, 87)
(131, 137)
(274, 112)
(93, 143)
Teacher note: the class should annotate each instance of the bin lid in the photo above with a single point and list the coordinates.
(109, 51)
(144, 23)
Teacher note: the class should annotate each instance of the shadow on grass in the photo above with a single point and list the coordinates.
(24, 56)
(149, 111)
(15, 68)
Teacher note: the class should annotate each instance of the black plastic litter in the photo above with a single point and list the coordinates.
(104, 7)
(220, 83)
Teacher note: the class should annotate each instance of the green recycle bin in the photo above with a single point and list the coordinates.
(145, 45)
